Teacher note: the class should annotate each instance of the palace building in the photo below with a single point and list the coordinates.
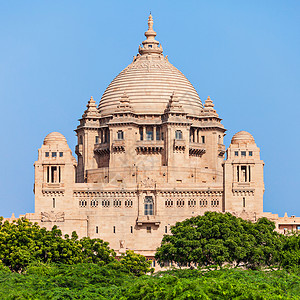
(149, 155)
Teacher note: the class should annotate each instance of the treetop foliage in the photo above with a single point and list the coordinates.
(22, 243)
(219, 239)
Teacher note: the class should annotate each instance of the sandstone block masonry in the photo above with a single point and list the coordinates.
(150, 155)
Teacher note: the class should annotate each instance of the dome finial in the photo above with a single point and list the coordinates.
(150, 24)
(150, 45)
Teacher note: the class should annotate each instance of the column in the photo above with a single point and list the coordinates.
(154, 133)
(144, 133)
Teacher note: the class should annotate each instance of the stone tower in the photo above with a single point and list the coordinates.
(243, 175)
(54, 175)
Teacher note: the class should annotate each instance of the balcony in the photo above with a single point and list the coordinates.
(197, 149)
(179, 145)
(118, 146)
(150, 219)
(102, 148)
(79, 149)
(152, 146)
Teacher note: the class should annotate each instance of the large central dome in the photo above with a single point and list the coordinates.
(149, 81)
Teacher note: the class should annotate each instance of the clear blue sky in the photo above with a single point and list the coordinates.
(54, 55)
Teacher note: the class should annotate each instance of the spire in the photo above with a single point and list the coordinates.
(124, 103)
(208, 103)
(150, 45)
(174, 105)
(209, 106)
(91, 110)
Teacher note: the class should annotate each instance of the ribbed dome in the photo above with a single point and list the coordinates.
(242, 136)
(54, 138)
(149, 81)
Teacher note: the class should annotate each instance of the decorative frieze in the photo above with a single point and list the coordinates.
(52, 216)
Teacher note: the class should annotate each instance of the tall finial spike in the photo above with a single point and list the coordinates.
(150, 24)
(150, 45)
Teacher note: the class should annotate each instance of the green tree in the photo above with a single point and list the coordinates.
(290, 254)
(22, 242)
(136, 263)
(217, 238)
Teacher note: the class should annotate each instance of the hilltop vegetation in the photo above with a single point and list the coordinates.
(217, 249)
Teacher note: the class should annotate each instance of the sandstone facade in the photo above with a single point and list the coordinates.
(149, 155)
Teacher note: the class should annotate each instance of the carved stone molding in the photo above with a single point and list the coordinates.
(52, 216)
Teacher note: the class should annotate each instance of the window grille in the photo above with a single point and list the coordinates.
(148, 205)
(82, 203)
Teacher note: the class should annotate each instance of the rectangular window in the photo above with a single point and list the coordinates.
(149, 134)
(96, 139)
(54, 178)
(250, 153)
(203, 139)
(243, 175)
(131, 229)
(249, 173)
(148, 206)
(54, 154)
(148, 229)
(114, 229)
(97, 229)
(244, 202)
(48, 174)
(236, 153)
(53, 202)
(61, 154)
(166, 229)
(120, 135)
(141, 133)
(46, 154)
(106, 136)
(243, 153)
(158, 133)
(178, 135)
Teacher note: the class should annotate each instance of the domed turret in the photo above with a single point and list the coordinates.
(149, 82)
(54, 138)
(244, 137)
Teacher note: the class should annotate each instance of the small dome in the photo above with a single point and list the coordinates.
(54, 138)
(242, 136)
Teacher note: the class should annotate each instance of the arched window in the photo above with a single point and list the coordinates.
(148, 206)
(120, 135)
(178, 135)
